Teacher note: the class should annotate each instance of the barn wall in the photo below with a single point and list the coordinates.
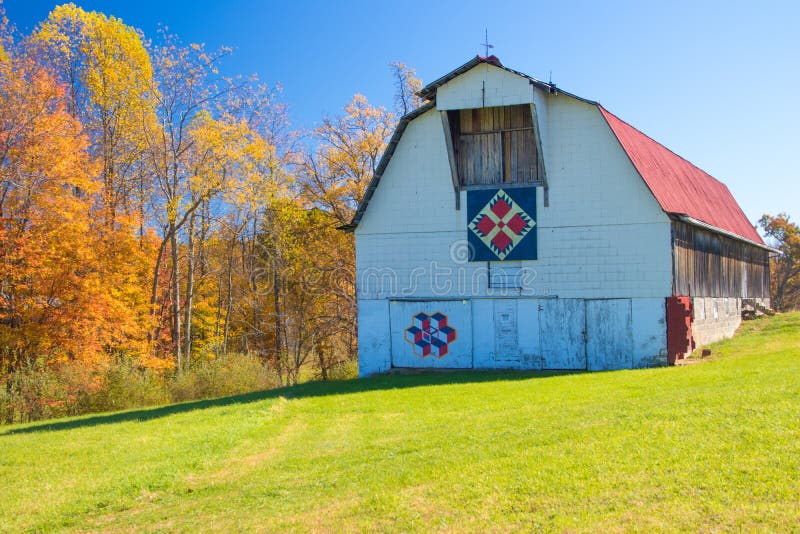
(649, 332)
(708, 264)
(717, 272)
(520, 333)
(602, 236)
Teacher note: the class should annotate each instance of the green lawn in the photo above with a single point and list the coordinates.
(712, 446)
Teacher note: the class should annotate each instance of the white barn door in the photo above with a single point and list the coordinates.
(434, 334)
(506, 338)
(609, 334)
(562, 335)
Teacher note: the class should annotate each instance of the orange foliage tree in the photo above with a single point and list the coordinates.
(55, 303)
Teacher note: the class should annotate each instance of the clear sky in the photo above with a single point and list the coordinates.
(713, 81)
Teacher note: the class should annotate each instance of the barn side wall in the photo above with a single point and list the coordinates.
(717, 318)
(718, 273)
(708, 264)
(602, 237)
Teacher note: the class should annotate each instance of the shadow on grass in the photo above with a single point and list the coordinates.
(400, 380)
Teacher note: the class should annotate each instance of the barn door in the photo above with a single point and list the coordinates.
(609, 334)
(435, 334)
(561, 334)
(506, 339)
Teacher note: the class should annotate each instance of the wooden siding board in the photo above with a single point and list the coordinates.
(507, 174)
(495, 145)
(713, 265)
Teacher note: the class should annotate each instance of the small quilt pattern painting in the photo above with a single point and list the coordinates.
(430, 335)
(502, 224)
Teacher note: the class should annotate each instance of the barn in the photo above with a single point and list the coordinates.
(511, 224)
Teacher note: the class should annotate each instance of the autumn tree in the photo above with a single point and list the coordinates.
(264, 179)
(299, 273)
(230, 149)
(406, 86)
(54, 300)
(333, 178)
(184, 98)
(349, 148)
(109, 78)
(785, 268)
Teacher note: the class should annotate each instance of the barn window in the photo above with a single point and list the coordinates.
(495, 145)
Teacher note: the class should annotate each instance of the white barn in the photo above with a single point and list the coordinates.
(511, 224)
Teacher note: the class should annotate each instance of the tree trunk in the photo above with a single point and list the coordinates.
(229, 301)
(204, 216)
(323, 368)
(176, 300)
(258, 331)
(188, 308)
(153, 335)
(276, 302)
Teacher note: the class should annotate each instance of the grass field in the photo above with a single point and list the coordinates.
(712, 446)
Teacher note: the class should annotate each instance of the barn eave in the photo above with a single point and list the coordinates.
(682, 217)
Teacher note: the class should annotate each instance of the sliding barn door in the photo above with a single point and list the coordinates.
(434, 334)
(609, 334)
(562, 334)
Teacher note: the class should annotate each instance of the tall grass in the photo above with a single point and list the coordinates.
(38, 392)
(221, 377)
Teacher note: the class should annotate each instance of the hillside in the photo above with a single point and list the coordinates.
(700, 447)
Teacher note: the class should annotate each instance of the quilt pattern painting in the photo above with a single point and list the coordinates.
(502, 224)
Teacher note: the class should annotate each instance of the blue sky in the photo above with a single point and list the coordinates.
(713, 81)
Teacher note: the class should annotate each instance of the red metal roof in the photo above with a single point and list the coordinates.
(680, 187)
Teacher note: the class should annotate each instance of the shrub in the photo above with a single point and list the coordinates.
(125, 386)
(36, 392)
(228, 375)
(345, 370)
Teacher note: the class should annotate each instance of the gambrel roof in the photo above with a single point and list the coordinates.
(682, 189)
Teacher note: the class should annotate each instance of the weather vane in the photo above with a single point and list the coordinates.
(486, 42)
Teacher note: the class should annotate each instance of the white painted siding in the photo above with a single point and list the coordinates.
(374, 338)
(502, 88)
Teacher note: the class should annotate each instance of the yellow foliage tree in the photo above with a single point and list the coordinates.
(406, 86)
(349, 148)
(109, 76)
